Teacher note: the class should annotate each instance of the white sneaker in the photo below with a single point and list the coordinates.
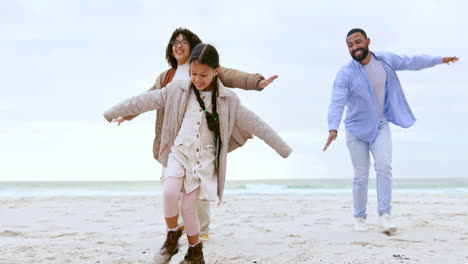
(386, 223)
(360, 224)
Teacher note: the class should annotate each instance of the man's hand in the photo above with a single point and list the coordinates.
(264, 83)
(331, 136)
(450, 59)
(118, 120)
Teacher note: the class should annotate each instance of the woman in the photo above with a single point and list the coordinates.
(201, 118)
(178, 52)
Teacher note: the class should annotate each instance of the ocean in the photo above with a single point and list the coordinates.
(292, 186)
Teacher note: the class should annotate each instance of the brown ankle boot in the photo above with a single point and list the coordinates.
(169, 248)
(194, 255)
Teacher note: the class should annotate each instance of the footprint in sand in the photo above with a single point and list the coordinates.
(359, 243)
(323, 221)
(126, 210)
(389, 233)
(64, 235)
(404, 240)
(111, 215)
(407, 215)
(8, 233)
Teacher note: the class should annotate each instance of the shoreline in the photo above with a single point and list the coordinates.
(291, 186)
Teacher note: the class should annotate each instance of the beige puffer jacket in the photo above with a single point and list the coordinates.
(230, 78)
(234, 118)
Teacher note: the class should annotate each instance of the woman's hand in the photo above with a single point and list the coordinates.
(119, 120)
(264, 83)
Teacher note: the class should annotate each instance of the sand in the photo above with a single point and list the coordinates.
(247, 228)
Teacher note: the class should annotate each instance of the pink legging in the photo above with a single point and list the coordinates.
(172, 187)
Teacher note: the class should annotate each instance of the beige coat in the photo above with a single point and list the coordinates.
(230, 78)
(234, 118)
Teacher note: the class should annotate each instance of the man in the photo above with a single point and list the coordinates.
(369, 87)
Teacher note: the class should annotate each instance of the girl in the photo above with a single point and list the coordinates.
(203, 121)
(177, 55)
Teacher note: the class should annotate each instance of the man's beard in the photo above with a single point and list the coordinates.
(365, 52)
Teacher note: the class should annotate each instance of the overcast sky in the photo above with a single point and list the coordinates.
(65, 62)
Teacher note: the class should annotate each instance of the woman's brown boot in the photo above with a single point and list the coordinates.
(194, 255)
(169, 248)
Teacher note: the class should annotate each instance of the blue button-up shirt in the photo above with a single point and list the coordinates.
(353, 90)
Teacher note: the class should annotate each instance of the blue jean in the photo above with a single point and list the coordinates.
(381, 150)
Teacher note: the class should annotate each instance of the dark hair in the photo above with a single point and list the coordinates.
(191, 37)
(357, 30)
(207, 54)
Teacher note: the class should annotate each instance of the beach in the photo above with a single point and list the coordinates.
(246, 228)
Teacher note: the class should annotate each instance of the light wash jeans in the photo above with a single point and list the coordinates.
(381, 150)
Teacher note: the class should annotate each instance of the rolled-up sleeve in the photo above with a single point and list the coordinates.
(338, 100)
(238, 79)
(414, 63)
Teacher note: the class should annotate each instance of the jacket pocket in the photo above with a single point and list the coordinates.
(183, 142)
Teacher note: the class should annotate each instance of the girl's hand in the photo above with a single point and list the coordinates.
(119, 120)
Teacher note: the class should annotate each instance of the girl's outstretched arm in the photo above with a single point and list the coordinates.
(249, 121)
(158, 84)
(144, 102)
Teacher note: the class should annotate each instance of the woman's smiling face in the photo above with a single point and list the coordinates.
(181, 49)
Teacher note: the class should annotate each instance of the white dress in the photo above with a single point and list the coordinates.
(194, 153)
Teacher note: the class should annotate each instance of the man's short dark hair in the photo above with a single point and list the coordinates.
(356, 30)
